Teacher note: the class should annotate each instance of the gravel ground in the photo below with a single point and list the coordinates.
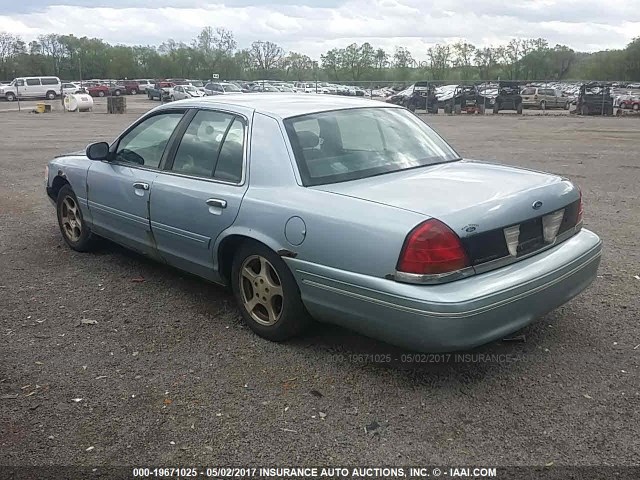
(170, 376)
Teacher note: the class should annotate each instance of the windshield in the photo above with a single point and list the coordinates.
(230, 87)
(190, 88)
(344, 145)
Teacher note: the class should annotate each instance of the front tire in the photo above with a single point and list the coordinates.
(101, 93)
(10, 97)
(519, 109)
(72, 226)
(266, 293)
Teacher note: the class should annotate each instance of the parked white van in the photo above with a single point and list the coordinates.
(31, 87)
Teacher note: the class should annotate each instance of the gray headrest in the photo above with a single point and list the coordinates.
(308, 139)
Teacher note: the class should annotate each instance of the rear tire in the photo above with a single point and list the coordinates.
(457, 109)
(101, 93)
(51, 95)
(519, 109)
(74, 231)
(496, 109)
(266, 293)
(543, 105)
(117, 93)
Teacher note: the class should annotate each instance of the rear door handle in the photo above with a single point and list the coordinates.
(216, 202)
(141, 186)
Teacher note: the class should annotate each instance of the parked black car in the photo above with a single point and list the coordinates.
(466, 98)
(508, 97)
(422, 97)
(595, 99)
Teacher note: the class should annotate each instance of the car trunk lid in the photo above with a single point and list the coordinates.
(476, 200)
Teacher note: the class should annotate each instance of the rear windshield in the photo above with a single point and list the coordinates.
(344, 145)
(529, 91)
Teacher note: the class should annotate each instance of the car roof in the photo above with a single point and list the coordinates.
(280, 105)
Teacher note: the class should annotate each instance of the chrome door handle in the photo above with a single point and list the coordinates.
(216, 202)
(141, 186)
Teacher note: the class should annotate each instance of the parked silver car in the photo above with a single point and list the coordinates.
(340, 209)
(180, 92)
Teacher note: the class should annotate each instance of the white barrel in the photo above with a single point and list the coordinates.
(82, 102)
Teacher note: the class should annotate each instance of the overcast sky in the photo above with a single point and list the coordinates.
(314, 26)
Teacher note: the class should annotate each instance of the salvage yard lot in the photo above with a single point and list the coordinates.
(148, 365)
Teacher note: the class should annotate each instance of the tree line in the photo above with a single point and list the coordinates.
(215, 51)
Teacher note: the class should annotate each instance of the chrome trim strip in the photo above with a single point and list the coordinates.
(201, 240)
(96, 207)
(430, 279)
(464, 314)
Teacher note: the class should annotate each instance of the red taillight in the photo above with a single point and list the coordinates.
(432, 248)
(580, 209)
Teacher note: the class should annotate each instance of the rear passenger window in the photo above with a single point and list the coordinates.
(33, 81)
(201, 144)
(229, 165)
(49, 81)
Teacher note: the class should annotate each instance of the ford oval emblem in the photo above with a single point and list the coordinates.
(470, 229)
(537, 204)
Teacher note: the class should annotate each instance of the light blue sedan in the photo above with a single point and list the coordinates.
(344, 210)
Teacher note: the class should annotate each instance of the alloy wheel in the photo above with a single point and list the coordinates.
(70, 216)
(261, 290)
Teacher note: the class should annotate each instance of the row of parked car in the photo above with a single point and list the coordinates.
(50, 87)
(593, 98)
(176, 89)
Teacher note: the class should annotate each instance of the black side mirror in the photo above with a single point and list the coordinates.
(98, 151)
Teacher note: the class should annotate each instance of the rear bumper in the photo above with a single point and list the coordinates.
(457, 315)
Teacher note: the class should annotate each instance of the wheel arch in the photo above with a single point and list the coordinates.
(229, 242)
(58, 182)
